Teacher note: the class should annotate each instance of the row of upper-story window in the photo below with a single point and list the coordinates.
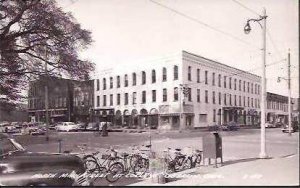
(39, 103)
(134, 78)
(221, 99)
(232, 83)
(277, 106)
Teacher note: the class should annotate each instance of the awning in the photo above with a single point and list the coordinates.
(170, 114)
(232, 108)
(176, 114)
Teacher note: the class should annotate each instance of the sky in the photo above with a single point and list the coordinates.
(140, 30)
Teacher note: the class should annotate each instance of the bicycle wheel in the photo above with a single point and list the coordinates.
(198, 159)
(133, 159)
(178, 162)
(187, 164)
(115, 171)
(141, 166)
(92, 166)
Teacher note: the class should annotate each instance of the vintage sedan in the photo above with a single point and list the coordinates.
(19, 167)
(67, 126)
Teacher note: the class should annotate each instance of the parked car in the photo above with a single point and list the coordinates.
(11, 129)
(214, 128)
(81, 126)
(3, 125)
(52, 126)
(67, 126)
(109, 126)
(294, 128)
(279, 124)
(38, 130)
(17, 125)
(231, 126)
(19, 167)
(270, 125)
(92, 126)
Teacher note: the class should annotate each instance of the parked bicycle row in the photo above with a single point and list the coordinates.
(114, 164)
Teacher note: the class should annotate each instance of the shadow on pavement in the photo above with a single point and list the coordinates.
(225, 163)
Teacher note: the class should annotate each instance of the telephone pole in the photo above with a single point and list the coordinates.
(46, 101)
(289, 88)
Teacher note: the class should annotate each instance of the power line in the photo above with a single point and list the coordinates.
(239, 3)
(273, 44)
(204, 24)
(268, 33)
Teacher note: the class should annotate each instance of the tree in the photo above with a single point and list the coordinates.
(35, 34)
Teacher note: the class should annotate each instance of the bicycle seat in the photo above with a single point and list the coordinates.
(198, 151)
(169, 148)
(148, 146)
(96, 153)
(177, 149)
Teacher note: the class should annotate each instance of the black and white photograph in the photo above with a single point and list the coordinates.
(149, 93)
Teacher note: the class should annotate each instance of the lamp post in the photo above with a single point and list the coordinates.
(289, 91)
(247, 29)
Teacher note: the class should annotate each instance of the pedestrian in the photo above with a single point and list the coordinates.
(104, 129)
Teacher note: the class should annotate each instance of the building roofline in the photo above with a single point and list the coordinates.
(219, 63)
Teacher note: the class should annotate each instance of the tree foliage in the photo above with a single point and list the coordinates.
(35, 33)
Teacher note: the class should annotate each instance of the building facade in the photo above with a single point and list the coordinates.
(83, 100)
(277, 108)
(60, 99)
(180, 91)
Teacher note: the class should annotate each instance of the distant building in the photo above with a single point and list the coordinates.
(185, 90)
(61, 103)
(277, 108)
(296, 109)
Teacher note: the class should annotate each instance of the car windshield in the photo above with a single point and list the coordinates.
(9, 145)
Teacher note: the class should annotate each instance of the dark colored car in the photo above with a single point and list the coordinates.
(294, 127)
(92, 126)
(279, 124)
(214, 128)
(82, 126)
(232, 126)
(19, 167)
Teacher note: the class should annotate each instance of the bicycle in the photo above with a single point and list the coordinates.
(179, 162)
(135, 162)
(141, 160)
(196, 157)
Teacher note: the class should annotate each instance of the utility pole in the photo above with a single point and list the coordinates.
(289, 88)
(263, 153)
(247, 29)
(46, 102)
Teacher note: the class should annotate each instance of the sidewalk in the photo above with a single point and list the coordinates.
(252, 171)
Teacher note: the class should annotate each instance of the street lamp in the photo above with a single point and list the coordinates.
(247, 29)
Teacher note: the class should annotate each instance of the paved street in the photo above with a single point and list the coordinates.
(238, 146)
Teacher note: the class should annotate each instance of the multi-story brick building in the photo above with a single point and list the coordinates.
(68, 100)
(184, 90)
(277, 108)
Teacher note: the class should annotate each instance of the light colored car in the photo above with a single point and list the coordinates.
(67, 126)
(109, 126)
